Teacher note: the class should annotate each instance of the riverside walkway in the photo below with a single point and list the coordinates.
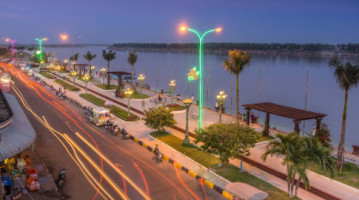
(271, 171)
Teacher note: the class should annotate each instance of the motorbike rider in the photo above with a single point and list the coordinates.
(156, 151)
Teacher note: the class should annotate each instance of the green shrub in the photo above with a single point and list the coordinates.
(158, 118)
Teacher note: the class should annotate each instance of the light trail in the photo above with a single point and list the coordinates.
(108, 179)
(123, 180)
(143, 177)
(78, 162)
(44, 123)
(113, 166)
(61, 109)
(204, 189)
(184, 185)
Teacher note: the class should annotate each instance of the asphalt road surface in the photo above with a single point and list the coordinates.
(98, 164)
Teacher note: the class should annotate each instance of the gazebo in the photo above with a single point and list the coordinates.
(296, 114)
(119, 75)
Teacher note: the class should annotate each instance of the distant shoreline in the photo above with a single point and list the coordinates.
(323, 54)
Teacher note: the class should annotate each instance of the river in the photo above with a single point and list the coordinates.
(283, 82)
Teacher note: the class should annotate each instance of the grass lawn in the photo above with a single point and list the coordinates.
(229, 172)
(47, 75)
(350, 175)
(68, 86)
(104, 87)
(138, 95)
(122, 114)
(175, 107)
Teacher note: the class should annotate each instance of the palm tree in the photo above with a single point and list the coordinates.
(347, 77)
(298, 153)
(235, 65)
(75, 57)
(108, 57)
(88, 56)
(132, 58)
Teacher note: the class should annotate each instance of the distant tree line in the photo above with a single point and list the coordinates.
(292, 47)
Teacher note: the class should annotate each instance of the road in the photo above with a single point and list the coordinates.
(99, 165)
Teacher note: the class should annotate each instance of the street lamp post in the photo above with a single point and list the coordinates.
(141, 78)
(103, 75)
(128, 94)
(40, 40)
(172, 89)
(92, 70)
(86, 78)
(220, 99)
(74, 73)
(187, 103)
(201, 38)
(12, 46)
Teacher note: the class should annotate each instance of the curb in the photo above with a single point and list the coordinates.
(214, 187)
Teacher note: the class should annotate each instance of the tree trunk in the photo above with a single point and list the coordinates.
(297, 186)
(288, 180)
(131, 76)
(108, 77)
(90, 68)
(237, 100)
(341, 146)
(292, 186)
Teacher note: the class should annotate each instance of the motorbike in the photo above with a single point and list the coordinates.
(62, 176)
(158, 154)
(125, 134)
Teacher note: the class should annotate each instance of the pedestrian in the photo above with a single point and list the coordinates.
(240, 116)
(216, 106)
(192, 98)
(143, 104)
(244, 117)
(27, 161)
(314, 130)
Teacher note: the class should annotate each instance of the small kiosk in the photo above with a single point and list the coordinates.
(5, 82)
(100, 116)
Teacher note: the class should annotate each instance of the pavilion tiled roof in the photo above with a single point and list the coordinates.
(285, 111)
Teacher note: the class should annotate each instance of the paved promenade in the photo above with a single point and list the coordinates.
(138, 129)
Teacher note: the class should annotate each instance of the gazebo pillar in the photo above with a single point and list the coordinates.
(319, 121)
(248, 115)
(296, 126)
(266, 126)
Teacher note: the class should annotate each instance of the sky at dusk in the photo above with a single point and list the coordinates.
(110, 21)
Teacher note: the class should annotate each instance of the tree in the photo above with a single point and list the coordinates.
(235, 65)
(132, 58)
(88, 56)
(347, 77)
(108, 57)
(158, 118)
(75, 57)
(298, 152)
(227, 140)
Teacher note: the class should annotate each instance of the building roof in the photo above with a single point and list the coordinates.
(119, 73)
(285, 111)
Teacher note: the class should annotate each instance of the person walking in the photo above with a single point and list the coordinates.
(216, 106)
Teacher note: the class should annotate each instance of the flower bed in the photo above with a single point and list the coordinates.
(175, 107)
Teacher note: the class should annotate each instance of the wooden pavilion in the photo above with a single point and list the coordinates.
(119, 75)
(296, 114)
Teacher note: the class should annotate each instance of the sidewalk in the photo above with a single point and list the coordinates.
(320, 182)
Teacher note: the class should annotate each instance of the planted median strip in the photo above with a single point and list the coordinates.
(229, 172)
(122, 114)
(47, 75)
(68, 86)
(105, 87)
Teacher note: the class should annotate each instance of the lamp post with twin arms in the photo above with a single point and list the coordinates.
(201, 37)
